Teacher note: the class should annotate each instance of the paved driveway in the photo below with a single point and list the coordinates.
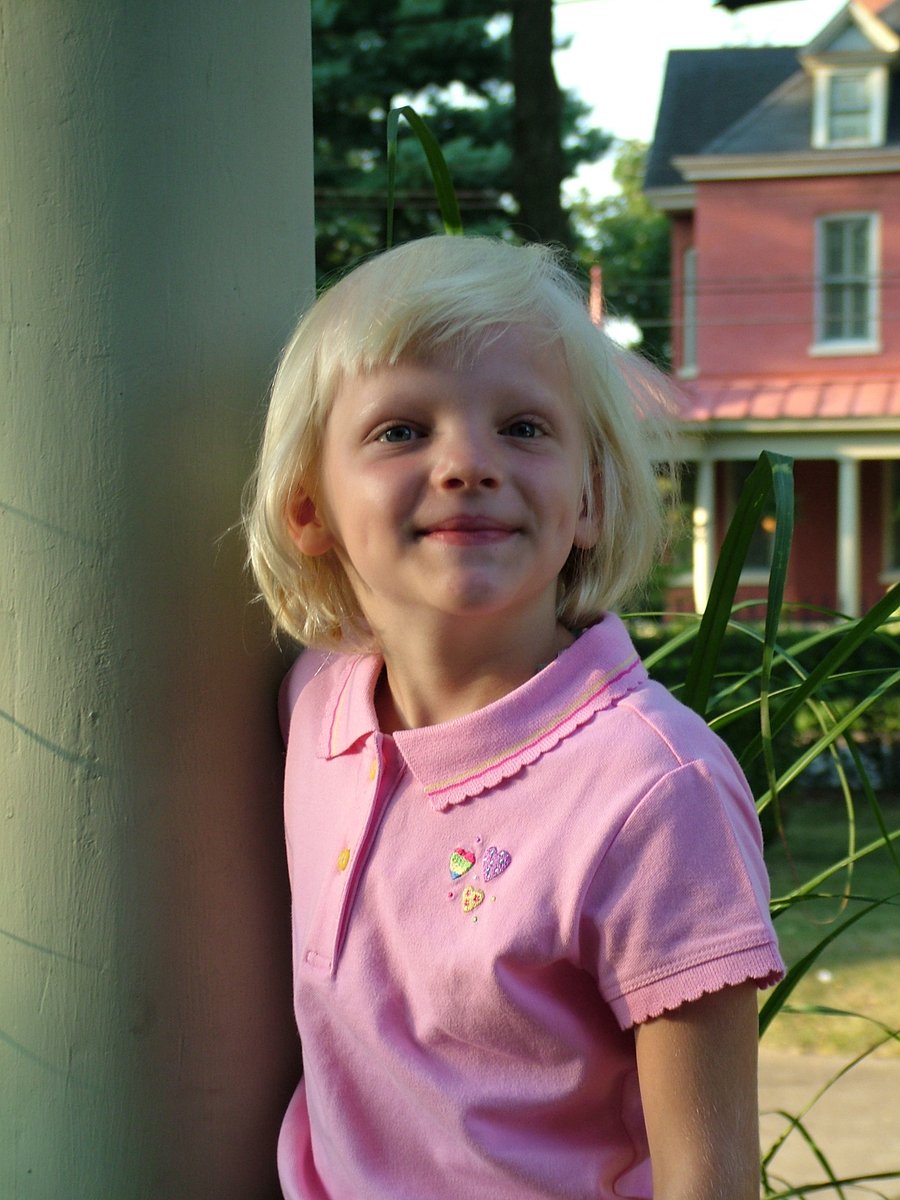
(856, 1124)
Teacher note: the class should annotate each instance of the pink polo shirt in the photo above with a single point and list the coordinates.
(484, 908)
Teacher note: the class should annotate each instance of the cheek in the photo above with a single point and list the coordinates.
(336, 500)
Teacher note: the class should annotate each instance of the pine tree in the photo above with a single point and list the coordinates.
(453, 60)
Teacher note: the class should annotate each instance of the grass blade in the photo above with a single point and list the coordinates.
(829, 738)
(827, 666)
(780, 904)
(782, 479)
(780, 993)
(440, 172)
(772, 474)
(796, 1123)
(803, 1191)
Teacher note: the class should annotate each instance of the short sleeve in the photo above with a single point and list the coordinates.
(679, 904)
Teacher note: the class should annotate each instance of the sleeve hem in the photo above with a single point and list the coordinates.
(761, 964)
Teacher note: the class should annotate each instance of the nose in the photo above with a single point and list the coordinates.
(467, 460)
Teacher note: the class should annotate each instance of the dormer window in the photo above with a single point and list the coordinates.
(850, 107)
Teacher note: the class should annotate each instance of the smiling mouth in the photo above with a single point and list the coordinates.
(468, 531)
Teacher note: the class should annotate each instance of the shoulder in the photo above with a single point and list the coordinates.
(642, 717)
(314, 675)
(657, 718)
(618, 730)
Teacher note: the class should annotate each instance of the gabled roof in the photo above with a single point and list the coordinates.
(781, 122)
(755, 100)
(857, 27)
(705, 92)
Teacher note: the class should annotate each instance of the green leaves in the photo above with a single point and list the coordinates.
(796, 972)
(440, 174)
(818, 690)
(773, 474)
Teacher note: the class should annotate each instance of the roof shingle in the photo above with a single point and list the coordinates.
(704, 93)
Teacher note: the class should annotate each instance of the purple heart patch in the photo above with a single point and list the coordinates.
(494, 863)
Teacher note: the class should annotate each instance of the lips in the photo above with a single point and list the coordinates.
(468, 530)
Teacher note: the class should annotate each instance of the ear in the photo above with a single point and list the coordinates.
(590, 519)
(307, 529)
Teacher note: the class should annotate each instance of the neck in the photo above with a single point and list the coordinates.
(432, 676)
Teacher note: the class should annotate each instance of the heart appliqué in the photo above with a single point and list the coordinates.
(471, 898)
(495, 863)
(460, 862)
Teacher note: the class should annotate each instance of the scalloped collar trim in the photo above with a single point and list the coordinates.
(461, 758)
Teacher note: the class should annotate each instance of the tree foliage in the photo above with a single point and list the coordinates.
(630, 241)
(453, 60)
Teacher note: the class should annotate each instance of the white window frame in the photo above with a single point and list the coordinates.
(876, 84)
(870, 342)
(688, 369)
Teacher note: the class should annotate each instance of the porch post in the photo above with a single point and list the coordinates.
(156, 242)
(704, 540)
(848, 539)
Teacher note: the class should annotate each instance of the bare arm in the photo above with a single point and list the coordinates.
(697, 1068)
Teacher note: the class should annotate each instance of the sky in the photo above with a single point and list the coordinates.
(616, 59)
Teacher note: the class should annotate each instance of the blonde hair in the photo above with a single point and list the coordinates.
(402, 305)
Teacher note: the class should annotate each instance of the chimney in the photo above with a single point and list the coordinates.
(596, 300)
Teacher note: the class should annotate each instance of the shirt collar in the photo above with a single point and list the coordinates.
(459, 759)
(349, 715)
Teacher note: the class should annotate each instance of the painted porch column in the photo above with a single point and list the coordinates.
(704, 538)
(156, 241)
(848, 538)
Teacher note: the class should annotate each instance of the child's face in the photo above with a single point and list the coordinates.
(453, 491)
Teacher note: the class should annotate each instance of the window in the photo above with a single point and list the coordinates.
(849, 107)
(689, 313)
(762, 542)
(846, 286)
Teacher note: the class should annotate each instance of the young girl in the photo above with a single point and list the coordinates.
(530, 908)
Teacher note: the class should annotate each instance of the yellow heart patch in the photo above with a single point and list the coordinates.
(471, 898)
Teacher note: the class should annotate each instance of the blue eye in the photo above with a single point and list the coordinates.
(397, 433)
(523, 429)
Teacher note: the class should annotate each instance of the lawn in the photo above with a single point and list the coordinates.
(860, 970)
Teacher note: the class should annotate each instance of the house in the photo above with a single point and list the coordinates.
(780, 171)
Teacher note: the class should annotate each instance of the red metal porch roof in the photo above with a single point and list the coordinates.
(790, 399)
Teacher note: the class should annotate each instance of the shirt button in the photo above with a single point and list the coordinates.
(343, 859)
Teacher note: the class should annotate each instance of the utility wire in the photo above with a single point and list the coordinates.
(737, 322)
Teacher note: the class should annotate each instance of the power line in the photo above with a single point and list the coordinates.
(388, 24)
(750, 289)
(736, 322)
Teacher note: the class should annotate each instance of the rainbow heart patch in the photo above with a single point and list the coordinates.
(471, 898)
(495, 862)
(460, 862)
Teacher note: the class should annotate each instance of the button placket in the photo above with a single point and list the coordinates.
(342, 870)
(383, 775)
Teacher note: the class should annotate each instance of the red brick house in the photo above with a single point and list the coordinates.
(780, 171)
